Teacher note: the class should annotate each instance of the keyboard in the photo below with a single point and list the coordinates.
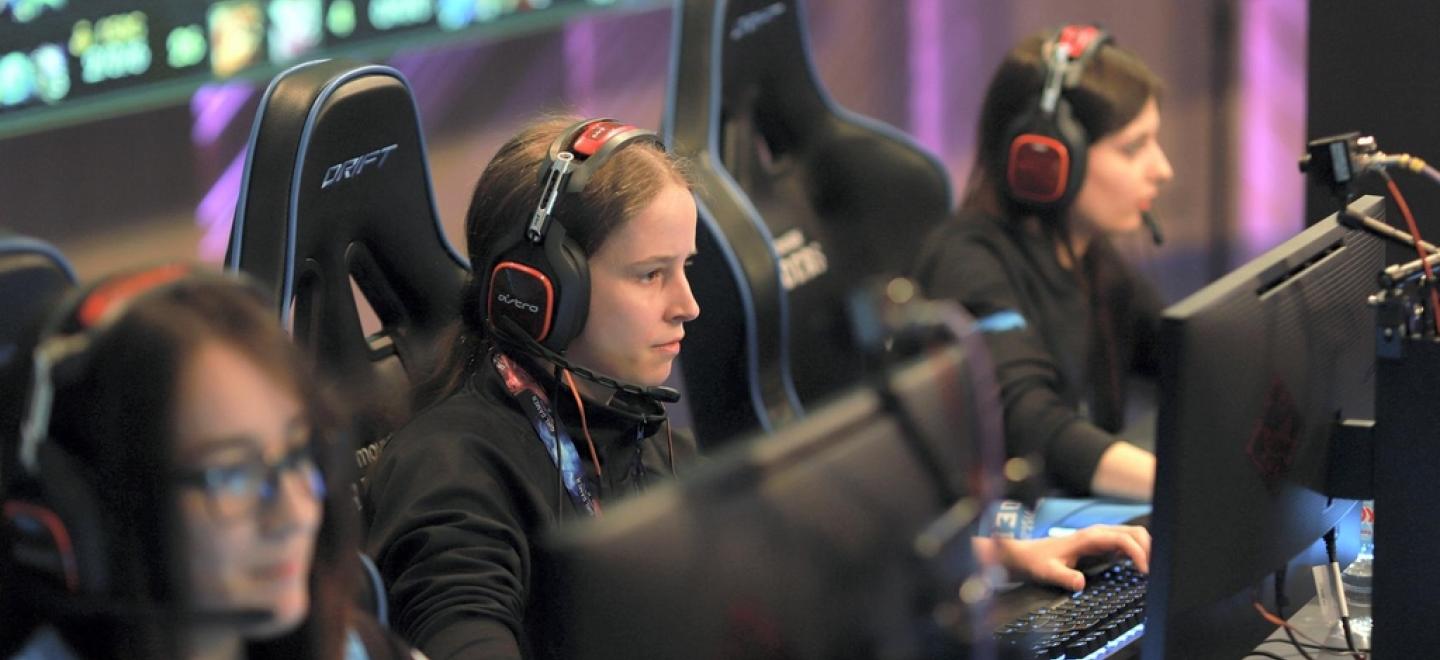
(1094, 623)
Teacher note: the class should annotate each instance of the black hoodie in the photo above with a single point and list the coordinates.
(461, 493)
(1062, 345)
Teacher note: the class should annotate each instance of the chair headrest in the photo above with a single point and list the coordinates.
(806, 200)
(33, 276)
(337, 189)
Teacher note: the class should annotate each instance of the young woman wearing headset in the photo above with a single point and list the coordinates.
(516, 436)
(165, 497)
(1068, 157)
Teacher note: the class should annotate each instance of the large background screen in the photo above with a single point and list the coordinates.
(68, 60)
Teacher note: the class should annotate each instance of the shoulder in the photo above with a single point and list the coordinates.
(45, 644)
(472, 429)
(969, 259)
(367, 639)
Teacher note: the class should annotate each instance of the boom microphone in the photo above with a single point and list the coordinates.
(1153, 226)
(511, 332)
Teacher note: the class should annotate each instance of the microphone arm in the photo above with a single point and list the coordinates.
(511, 333)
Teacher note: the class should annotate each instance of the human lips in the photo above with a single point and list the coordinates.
(672, 346)
(280, 571)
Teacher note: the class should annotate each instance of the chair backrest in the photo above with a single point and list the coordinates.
(801, 203)
(34, 276)
(337, 189)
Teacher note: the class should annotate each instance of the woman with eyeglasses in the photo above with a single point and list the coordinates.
(173, 441)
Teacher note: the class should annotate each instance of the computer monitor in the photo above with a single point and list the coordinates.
(1257, 368)
(800, 544)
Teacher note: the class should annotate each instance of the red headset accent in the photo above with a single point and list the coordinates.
(104, 299)
(15, 509)
(1039, 167)
(595, 135)
(1075, 39)
(545, 307)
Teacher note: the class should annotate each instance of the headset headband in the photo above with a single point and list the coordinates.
(573, 158)
(1066, 56)
(71, 333)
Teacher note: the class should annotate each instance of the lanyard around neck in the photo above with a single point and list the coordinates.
(532, 399)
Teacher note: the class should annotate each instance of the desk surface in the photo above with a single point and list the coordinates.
(1311, 623)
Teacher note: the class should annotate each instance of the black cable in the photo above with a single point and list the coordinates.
(1314, 647)
(1280, 604)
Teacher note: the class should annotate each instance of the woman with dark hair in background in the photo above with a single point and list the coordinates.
(1068, 157)
(172, 433)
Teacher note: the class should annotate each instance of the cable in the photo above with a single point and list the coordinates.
(1314, 647)
(1270, 616)
(585, 426)
(1340, 593)
(1415, 234)
(1280, 602)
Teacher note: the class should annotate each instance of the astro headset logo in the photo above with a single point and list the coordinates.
(517, 303)
(353, 167)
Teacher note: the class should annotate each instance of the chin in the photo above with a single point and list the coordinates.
(288, 613)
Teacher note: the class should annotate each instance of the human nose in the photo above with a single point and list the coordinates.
(1163, 172)
(684, 307)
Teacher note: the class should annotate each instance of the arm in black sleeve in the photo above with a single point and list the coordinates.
(1037, 418)
(449, 535)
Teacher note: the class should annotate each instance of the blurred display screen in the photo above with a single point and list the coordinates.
(69, 60)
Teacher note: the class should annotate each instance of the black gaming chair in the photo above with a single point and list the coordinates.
(337, 189)
(801, 202)
(33, 278)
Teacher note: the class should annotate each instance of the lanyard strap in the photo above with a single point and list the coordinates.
(523, 388)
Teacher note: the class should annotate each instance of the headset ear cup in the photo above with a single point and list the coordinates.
(69, 492)
(1036, 162)
(58, 536)
(523, 290)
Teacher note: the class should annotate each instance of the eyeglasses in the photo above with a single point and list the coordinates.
(237, 490)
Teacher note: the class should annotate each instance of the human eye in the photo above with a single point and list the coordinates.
(234, 480)
(300, 458)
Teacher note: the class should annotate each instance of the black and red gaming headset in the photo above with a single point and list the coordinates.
(1044, 151)
(542, 281)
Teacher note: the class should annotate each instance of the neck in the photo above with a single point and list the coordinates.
(215, 644)
(1079, 243)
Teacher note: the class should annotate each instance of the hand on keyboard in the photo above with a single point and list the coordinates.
(1053, 560)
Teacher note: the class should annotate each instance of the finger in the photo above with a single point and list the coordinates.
(1057, 573)
(1100, 540)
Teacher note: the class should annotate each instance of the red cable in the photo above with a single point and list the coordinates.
(585, 426)
(1415, 234)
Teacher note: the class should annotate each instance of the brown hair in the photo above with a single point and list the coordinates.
(117, 417)
(505, 196)
(1112, 89)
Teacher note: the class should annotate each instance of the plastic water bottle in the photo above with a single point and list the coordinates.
(1356, 576)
